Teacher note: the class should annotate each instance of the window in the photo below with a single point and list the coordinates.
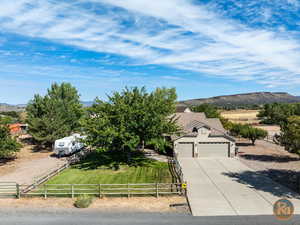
(195, 130)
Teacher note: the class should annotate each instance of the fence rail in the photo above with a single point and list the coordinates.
(101, 190)
(9, 189)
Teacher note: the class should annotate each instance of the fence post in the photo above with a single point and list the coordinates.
(157, 194)
(128, 191)
(72, 190)
(18, 191)
(45, 191)
(100, 191)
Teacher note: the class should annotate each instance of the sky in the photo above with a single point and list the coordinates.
(202, 47)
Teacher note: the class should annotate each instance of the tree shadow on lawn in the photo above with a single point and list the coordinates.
(261, 180)
(113, 159)
(269, 158)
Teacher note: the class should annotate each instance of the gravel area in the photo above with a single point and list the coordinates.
(272, 160)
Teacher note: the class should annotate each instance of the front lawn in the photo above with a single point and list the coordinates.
(102, 168)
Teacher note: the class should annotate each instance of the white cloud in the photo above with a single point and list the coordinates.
(176, 33)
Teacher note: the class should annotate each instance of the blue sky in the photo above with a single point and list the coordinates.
(203, 48)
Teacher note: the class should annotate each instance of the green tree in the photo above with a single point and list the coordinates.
(253, 133)
(247, 131)
(8, 145)
(290, 137)
(130, 118)
(54, 115)
(210, 110)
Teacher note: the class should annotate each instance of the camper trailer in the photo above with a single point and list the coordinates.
(68, 145)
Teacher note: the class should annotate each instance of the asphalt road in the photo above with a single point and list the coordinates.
(82, 217)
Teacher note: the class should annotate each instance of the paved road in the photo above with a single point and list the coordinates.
(225, 187)
(82, 217)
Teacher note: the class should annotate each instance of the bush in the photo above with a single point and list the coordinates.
(83, 201)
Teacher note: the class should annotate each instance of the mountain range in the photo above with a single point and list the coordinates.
(255, 98)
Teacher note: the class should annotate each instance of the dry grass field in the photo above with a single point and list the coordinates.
(241, 116)
(249, 117)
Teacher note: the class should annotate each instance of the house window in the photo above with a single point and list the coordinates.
(195, 130)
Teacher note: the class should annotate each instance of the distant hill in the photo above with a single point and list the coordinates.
(4, 107)
(256, 98)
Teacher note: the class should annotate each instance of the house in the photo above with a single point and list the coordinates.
(17, 128)
(202, 137)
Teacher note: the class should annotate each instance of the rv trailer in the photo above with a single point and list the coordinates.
(68, 145)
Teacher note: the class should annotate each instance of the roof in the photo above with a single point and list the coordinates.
(182, 109)
(190, 120)
(184, 119)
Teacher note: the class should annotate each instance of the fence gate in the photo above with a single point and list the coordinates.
(8, 189)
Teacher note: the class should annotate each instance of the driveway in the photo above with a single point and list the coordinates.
(225, 187)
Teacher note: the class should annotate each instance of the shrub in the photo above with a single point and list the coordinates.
(83, 201)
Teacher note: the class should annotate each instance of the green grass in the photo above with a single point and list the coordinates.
(98, 169)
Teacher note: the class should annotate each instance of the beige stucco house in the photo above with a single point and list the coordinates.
(202, 137)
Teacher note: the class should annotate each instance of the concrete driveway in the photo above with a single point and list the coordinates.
(225, 186)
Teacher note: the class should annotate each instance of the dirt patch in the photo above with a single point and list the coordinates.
(271, 129)
(27, 153)
(30, 163)
(137, 204)
(273, 161)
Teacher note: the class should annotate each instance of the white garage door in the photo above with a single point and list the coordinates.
(185, 149)
(213, 149)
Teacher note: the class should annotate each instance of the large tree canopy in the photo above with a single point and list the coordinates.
(130, 118)
(54, 115)
(290, 136)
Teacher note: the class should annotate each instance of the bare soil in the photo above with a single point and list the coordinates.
(137, 204)
(29, 163)
(273, 161)
(271, 129)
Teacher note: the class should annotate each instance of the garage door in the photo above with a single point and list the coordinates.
(185, 149)
(213, 149)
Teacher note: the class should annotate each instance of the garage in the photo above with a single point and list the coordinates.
(213, 149)
(185, 149)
